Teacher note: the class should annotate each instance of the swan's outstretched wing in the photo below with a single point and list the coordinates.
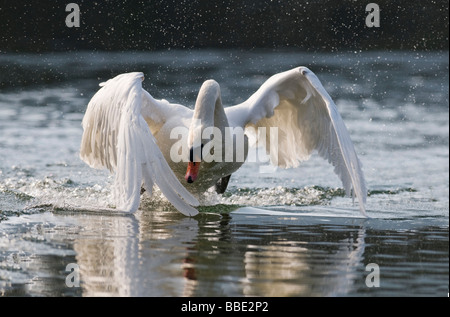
(116, 136)
(307, 119)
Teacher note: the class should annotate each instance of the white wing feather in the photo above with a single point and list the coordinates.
(117, 136)
(307, 119)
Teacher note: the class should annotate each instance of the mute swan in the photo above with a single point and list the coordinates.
(137, 137)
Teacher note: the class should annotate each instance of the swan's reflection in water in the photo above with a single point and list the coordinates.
(134, 255)
(293, 268)
(162, 253)
(165, 254)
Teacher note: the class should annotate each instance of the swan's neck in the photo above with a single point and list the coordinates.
(208, 110)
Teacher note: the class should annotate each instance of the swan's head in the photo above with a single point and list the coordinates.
(195, 158)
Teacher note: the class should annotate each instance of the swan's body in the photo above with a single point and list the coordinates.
(129, 132)
(208, 114)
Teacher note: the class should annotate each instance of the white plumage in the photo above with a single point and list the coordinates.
(128, 131)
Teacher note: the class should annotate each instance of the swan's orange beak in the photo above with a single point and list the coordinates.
(192, 171)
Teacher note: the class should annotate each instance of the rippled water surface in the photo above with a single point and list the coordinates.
(289, 233)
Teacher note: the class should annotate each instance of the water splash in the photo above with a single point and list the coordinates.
(31, 195)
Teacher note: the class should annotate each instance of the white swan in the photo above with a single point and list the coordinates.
(129, 132)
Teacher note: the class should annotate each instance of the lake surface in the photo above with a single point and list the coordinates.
(289, 233)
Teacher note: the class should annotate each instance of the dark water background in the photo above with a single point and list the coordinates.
(290, 233)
